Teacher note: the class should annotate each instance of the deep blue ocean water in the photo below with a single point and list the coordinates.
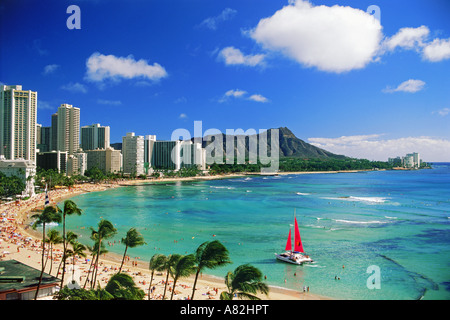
(394, 222)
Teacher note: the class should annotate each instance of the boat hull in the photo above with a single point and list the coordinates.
(297, 259)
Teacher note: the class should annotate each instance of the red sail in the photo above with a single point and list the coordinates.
(297, 240)
(288, 243)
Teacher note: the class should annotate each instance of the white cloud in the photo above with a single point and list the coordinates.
(109, 102)
(410, 86)
(101, 67)
(212, 22)
(74, 87)
(182, 116)
(258, 98)
(437, 50)
(443, 112)
(44, 105)
(235, 93)
(372, 147)
(241, 94)
(50, 68)
(233, 56)
(334, 39)
(416, 39)
(407, 38)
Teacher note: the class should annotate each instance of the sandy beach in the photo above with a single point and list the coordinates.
(20, 242)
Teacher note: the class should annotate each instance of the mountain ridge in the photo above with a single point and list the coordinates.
(290, 145)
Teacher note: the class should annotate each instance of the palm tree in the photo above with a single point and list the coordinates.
(133, 239)
(49, 214)
(77, 250)
(157, 263)
(244, 282)
(70, 238)
(121, 286)
(93, 250)
(70, 208)
(170, 263)
(53, 238)
(105, 230)
(210, 254)
(185, 266)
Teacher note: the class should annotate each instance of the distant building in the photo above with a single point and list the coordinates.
(116, 146)
(133, 154)
(68, 129)
(52, 160)
(162, 155)
(396, 162)
(174, 155)
(95, 137)
(54, 133)
(411, 160)
(76, 164)
(38, 133)
(107, 160)
(45, 139)
(23, 169)
(148, 151)
(18, 112)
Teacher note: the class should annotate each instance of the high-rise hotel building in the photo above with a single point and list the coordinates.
(133, 154)
(68, 130)
(95, 137)
(18, 113)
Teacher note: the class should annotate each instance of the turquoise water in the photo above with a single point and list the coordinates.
(397, 221)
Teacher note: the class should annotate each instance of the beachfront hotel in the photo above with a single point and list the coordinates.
(52, 160)
(68, 138)
(107, 160)
(95, 137)
(133, 154)
(18, 112)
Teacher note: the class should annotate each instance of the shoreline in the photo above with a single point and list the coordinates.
(18, 219)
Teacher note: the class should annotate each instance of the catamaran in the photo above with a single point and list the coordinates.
(296, 256)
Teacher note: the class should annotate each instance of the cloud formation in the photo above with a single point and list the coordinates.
(417, 39)
(241, 94)
(50, 68)
(233, 56)
(410, 86)
(109, 102)
(373, 147)
(443, 112)
(75, 87)
(333, 39)
(407, 38)
(101, 67)
(437, 50)
(213, 22)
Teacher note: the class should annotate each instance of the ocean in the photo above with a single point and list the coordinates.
(373, 235)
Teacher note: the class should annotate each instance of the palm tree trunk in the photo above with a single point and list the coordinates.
(150, 285)
(173, 289)
(64, 251)
(195, 283)
(89, 271)
(96, 263)
(42, 261)
(51, 259)
(73, 267)
(165, 287)
(123, 259)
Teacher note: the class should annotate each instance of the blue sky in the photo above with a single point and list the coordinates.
(329, 71)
